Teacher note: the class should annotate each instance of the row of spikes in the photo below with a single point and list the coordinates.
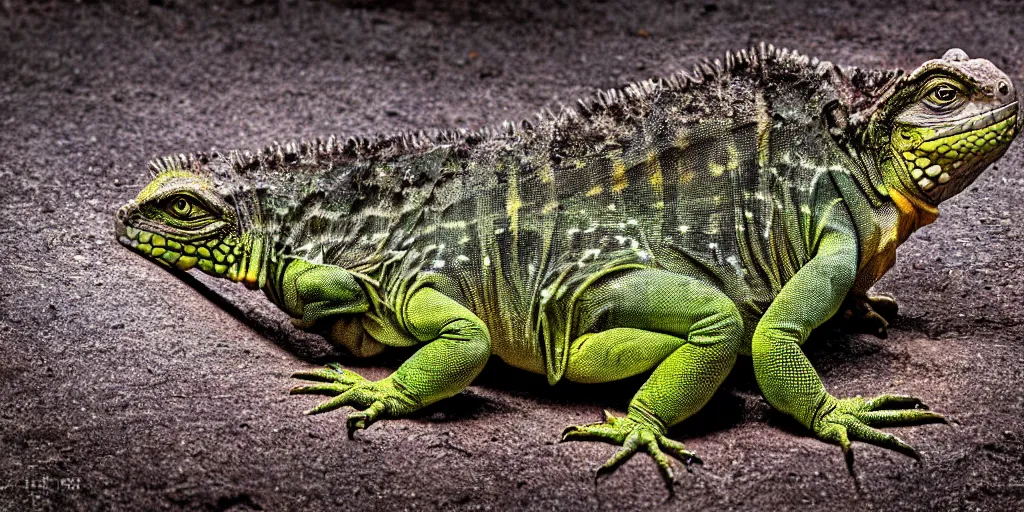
(704, 71)
(279, 155)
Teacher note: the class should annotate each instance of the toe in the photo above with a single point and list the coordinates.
(594, 432)
(869, 435)
(839, 435)
(663, 462)
(900, 417)
(332, 373)
(359, 420)
(320, 374)
(875, 324)
(894, 402)
(836, 433)
(319, 389)
(627, 451)
(885, 305)
(330, 405)
(679, 451)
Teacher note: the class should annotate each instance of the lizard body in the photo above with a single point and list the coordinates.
(668, 226)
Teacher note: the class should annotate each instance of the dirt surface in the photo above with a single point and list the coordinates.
(123, 388)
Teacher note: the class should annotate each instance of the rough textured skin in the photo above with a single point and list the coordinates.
(665, 227)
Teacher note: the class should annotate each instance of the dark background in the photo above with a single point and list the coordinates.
(123, 388)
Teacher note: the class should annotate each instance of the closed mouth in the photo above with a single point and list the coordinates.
(980, 121)
(129, 237)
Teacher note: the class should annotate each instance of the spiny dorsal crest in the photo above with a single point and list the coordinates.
(176, 163)
(761, 58)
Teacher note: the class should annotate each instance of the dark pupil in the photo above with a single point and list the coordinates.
(181, 205)
(945, 94)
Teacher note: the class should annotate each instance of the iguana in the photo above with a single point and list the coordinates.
(665, 227)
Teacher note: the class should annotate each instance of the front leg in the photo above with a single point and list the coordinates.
(787, 378)
(456, 350)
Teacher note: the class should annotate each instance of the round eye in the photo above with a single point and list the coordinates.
(943, 95)
(180, 207)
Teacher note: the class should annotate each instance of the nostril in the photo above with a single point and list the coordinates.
(122, 213)
(1004, 88)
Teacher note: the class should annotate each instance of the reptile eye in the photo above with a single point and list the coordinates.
(943, 95)
(180, 207)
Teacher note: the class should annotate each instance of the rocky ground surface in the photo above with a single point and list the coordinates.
(121, 388)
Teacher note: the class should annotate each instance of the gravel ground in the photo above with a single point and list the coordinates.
(122, 388)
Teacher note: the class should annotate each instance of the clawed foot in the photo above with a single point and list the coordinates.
(376, 399)
(633, 436)
(851, 419)
(869, 314)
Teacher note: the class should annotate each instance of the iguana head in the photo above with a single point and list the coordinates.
(183, 219)
(943, 124)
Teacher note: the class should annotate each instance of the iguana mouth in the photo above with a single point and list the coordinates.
(209, 255)
(129, 237)
(979, 122)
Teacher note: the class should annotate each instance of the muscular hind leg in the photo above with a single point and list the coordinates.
(687, 331)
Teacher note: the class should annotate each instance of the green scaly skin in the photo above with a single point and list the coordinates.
(666, 227)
